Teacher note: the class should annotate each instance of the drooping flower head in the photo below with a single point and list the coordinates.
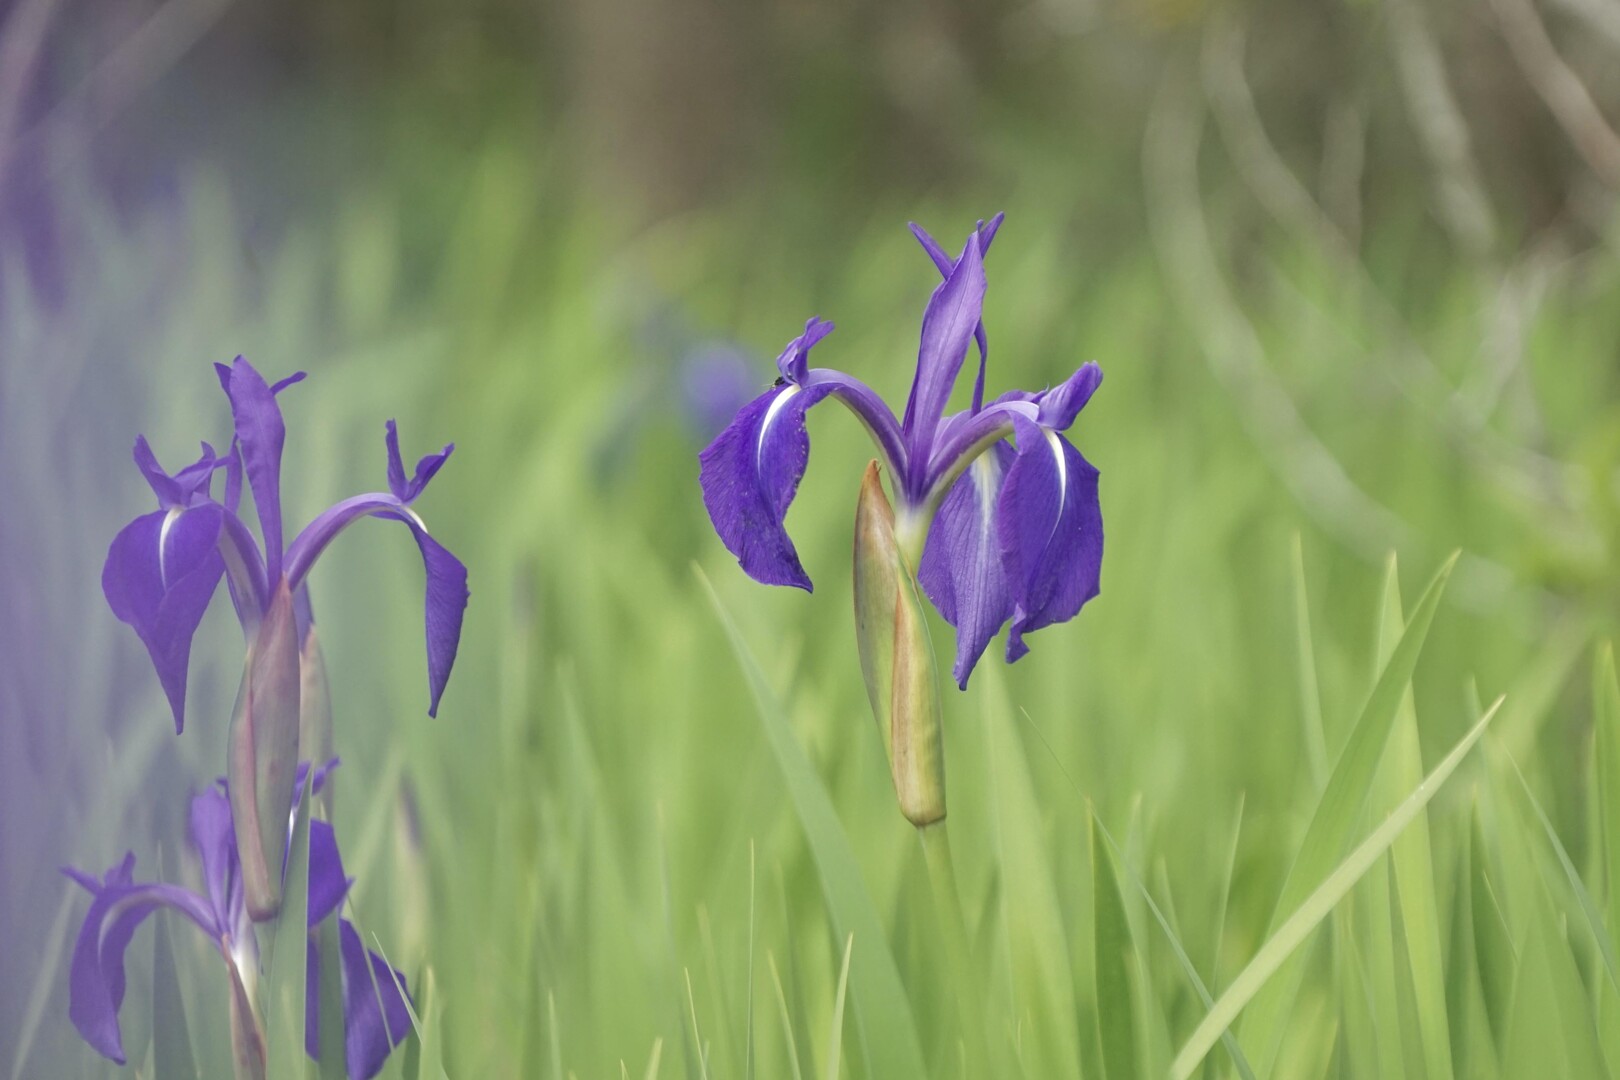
(996, 513)
(375, 1018)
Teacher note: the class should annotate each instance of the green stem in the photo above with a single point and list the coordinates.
(936, 845)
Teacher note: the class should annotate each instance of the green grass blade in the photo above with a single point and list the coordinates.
(835, 1030)
(1338, 810)
(1310, 696)
(1114, 951)
(285, 985)
(329, 967)
(787, 1018)
(1606, 745)
(45, 981)
(171, 1035)
(1494, 952)
(882, 1009)
(1298, 926)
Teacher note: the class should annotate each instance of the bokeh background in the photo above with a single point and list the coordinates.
(1353, 274)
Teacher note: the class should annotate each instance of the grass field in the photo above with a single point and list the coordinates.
(651, 832)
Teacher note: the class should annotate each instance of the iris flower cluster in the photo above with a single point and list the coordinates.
(994, 513)
(162, 571)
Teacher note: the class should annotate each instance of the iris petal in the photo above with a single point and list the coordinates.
(447, 593)
(750, 474)
(961, 567)
(375, 1017)
(161, 571)
(945, 264)
(794, 361)
(407, 490)
(260, 433)
(1049, 525)
(948, 323)
(1061, 404)
(327, 883)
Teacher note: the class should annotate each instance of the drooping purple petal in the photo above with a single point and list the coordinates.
(260, 433)
(375, 1017)
(948, 322)
(794, 361)
(161, 571)
(1061, 404)
(404, 490)
(961, 567)
(96, 980)
(1049, 527)
(447, 593)
(945, 264)
(750, 473)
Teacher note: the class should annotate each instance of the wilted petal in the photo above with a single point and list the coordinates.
(375, 1017)
(161, 571)
(96, 980)
(404, 490)
(1049, 526)
(750, 474)
(961, 565)
(447, 592)
(948, 322)
(260, 433)
(1061, 404)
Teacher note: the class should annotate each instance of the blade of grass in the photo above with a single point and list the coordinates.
(1339, 808)
(1310, 697)
(285, 984)
(1114, 950)
(1298, 926)
(787, 1019)
(882, 1009)
(835, 1032)
(171, 1035)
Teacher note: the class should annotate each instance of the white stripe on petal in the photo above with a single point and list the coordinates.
(770, 417)
(163, 544)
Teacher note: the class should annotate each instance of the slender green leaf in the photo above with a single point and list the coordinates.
(835, 1027)
(1114, 951)
(285, 985)
(1298, 926)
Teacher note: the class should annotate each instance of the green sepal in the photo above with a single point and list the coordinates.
(263, 754)
(897, 658)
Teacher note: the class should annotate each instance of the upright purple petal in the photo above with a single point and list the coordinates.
(750, 473)
(447, 592)
(328, 884)
(961, 567)
(375, 1017)
(945, 264)
(165, 487)
(948, 322)
(161, 571)
(260, 433)
(215, 837)
(1049, 527)
(404, 490)
(794, 361)
(1061, 404)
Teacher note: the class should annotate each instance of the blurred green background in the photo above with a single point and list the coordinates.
(1352, 272)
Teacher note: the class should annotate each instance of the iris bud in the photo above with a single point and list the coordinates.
(897, 658)
(263, 754)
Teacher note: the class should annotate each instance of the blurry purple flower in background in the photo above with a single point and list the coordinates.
(375, 1017)
(1019, 538)
(717, 379)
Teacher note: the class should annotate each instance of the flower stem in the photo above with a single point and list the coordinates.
(953, 930)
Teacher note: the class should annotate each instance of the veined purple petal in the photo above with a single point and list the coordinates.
(375, 1017)
(161, 571)
(961, 567)
(1061, 404)
(446, 577)
(945, 264)
(750, 473)
(964, 436)
(404, 490)
(948, 322)
(260, 433)
(794, 361)
(1049, 527)
(96, 980)
(165, 487)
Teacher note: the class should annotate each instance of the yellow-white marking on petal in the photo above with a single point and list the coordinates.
(987, 472)
(1062, 467)
(770, 417)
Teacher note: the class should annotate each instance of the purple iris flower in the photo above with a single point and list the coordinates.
(375, 1017)
(164, 567)
(996, 512)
